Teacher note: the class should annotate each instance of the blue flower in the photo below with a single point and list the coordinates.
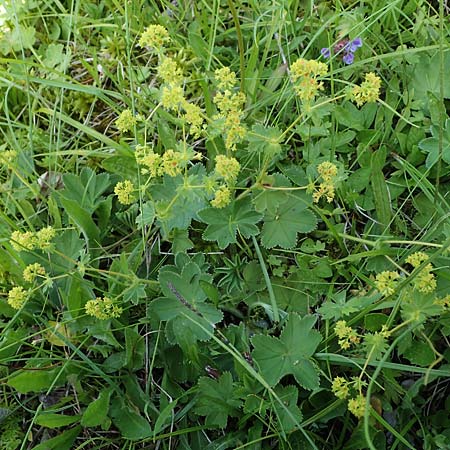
(325, 52)
(348, 58)
(355, 44)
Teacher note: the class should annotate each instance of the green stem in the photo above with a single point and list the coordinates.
(240, 40)
(273, 301)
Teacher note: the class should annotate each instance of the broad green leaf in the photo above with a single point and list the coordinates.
(163, 417)
(265, 140)
(63, 441)
(223, 224)
(269, 199)
(130, 423)
(146, 216)
(217, 400)
(290, 353)
(34, 380)
(282, 226)
(338, 306)
(431, 145)
(287, 419)
(51, 420)
(380, 189)
(81, 218)
(97, 411)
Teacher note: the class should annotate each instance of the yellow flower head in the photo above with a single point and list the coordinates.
(227, 168)
(169, 72)
(149, 160)
(416, 259)
(386, 282)
(225, 78)
(23, 240)
(172, 163)
(339, 387)
(357, 406)
(44, 238)
(32, 271)
(154, 36)
(103, 308)
(125, 192)
(222, 197)
(193, 116)
(369, 91)
(17, 297)
(172, 97)
(126, 121)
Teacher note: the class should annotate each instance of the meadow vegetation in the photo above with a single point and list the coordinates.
(224, 224)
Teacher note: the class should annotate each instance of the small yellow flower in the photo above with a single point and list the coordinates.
(225, 77)
(307, 68)
(126, 121)
(386, 282)
(193, 116)
(125, 192)
(169, 72)
(32, 271)
(23, 240)
(339, 387)
(103, 308)
(172, 163)
(327, 170)
(227, 168)
(357, 406)
(44, 238)
(172, 97)
(417, 258)
(369, 91)
(154, 36)
(222, 197)
(425, 281)
(17, 297)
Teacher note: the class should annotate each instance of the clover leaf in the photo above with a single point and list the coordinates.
(290, 353)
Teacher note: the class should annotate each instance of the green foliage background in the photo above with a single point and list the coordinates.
(228, 335)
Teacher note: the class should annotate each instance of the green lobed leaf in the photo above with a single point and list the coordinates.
(290, 353)
(223, 224)
(217, 400)
(282, 226)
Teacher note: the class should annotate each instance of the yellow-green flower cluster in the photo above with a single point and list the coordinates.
(386, 282)
(226, 79)
(425, 281)
(103, 308)
(8, 158)
(125, 192)
(221, 198)
(32, 271)
(227, 168)
(194, 117)
(230, 107)
(327, 173)
(28, 240)
(154, 36)
(369, 91)
(169, 72)
(172, 162)
(347, 335)
(304, 75)
(357, 406)
(172, 97)
(17, 297)
(126, 121)
(340, 388)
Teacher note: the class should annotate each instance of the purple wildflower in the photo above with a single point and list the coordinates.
(348, 58)
(355, 44)
(325, 52)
